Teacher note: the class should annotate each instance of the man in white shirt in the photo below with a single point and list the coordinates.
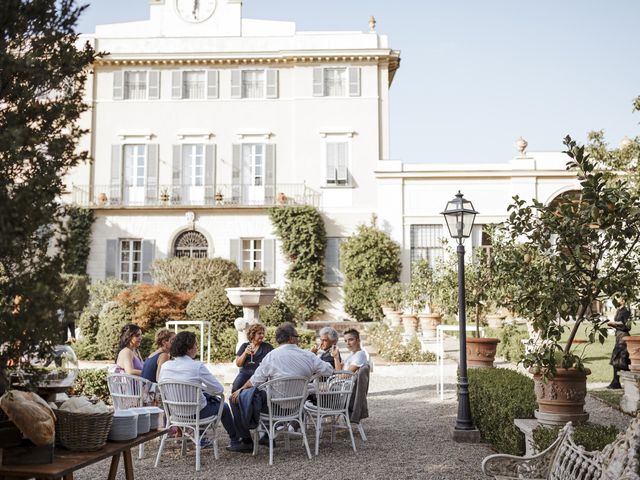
(288, 360)
(185, 369)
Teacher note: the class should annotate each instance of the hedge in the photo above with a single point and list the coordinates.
(498, 396)
(92, 382)
(589, 435)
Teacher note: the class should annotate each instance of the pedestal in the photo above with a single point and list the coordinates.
(527, 426)
(466, 436)
(630, 401)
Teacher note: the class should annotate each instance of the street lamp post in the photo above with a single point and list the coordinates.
(460, 215)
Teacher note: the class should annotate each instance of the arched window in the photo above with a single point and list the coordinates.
(570, 196)
(191, 244)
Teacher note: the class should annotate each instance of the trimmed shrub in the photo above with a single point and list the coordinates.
(100, 293)
(589, 435)
(112, 318)
(92, 383)
(498, 396)
(253, 278)
(213, 305)
(390, 346)
(299, 295)
(76, 295)
(153, 305)
(510, 347)
(275, 313)
(195, 274)
(86, 349)
(369, 259)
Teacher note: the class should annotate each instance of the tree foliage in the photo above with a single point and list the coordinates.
(369, 258)
(558, 259)
(213, 305)
(153, 305)
(302, 233)
(183, 274)
(42, 79)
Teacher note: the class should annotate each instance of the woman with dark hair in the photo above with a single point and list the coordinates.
(250, 354)
(620, 355)
(183, 368)
(128, 357)
(151, 368)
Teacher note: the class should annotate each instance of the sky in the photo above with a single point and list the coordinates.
(477, 74)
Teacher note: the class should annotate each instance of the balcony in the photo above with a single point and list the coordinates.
(215, 196)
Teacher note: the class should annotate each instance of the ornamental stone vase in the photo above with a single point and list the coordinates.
(410, 325)
(561, 398)
(633, 347)
(428, 324)
(481, 352)
(250, 299)
(386, 311)
(495, 320)
(395, 318)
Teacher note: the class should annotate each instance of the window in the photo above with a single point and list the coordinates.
(193, 164)
(252, 254)
(252, 83)
(335, 82)
(194, 84)
(135, 85)
(332, 273)
(253, 155)
(134, 165)
(131, 261)
(481, 239)
(426, 243)
(337, 161)
(191, 244)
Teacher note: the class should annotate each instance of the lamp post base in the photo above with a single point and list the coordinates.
(466, 436)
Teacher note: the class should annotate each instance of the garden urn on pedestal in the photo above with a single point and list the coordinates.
(250, 299)
(429, 323)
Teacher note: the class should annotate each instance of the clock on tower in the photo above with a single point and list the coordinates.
(195, 11)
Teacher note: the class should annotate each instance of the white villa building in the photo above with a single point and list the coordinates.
(202, 120)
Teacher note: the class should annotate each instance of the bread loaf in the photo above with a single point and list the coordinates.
(31, 415)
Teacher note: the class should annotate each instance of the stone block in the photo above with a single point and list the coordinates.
(630, 401)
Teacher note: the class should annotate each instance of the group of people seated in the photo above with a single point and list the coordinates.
(259, 362)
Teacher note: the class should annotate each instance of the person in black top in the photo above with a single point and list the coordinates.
(328, 340)
(250, 354)
(620, 355)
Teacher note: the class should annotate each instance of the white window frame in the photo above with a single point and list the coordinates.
(345, 81)
(346, 138)
(126, 245)
(145, 154)
(253, 156)
(250, 247)
(205, 84)
(264, 83)
(434, 249)
(192, 179)
(125, 90)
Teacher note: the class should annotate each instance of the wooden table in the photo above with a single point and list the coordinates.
(66, 462)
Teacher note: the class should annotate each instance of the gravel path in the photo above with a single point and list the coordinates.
(409, 436)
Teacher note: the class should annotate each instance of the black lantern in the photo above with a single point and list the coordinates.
(460, 216)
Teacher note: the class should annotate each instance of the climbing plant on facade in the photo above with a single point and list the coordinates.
(302, 233)
(76, 243)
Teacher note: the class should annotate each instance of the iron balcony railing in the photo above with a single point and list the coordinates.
(115, 196)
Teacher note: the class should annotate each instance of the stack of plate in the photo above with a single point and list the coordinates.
(124, 426)
(144, 419)
(155, 417)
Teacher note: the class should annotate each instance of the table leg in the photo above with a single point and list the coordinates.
(113, 469)
(68, 476)
(128, 464)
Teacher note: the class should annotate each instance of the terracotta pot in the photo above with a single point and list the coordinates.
(428, 324)
(633, 347)
(410, 324)
(561, 398)
(394, 317)
(481, 352)
(495, 321)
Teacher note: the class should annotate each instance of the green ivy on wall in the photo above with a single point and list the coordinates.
(302, 233)
(76, 242)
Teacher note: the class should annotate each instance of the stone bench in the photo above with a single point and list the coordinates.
(564, 460)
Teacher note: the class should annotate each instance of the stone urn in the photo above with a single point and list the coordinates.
(428, 324)
(481, 352)
(561, 398)
(395, 318)
(250, 299)
(633, 347)
(409, 324)
(386, 311)
(495, 321)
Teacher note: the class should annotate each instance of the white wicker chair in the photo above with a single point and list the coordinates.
(332, 401)
(129, 391)
(181, 401)
(285, 401)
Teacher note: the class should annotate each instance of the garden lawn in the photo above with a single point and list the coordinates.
(597, 355)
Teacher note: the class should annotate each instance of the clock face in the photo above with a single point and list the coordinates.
(195, 11)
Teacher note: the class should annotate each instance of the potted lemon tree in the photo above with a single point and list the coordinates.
(557, 261)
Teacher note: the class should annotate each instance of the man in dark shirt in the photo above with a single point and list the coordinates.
(328, 340)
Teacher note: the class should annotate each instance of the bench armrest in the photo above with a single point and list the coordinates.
(510, 466)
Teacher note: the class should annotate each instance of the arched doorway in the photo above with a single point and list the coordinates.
(191, 244)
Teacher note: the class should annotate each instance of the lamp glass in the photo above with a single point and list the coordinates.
(460, 217)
